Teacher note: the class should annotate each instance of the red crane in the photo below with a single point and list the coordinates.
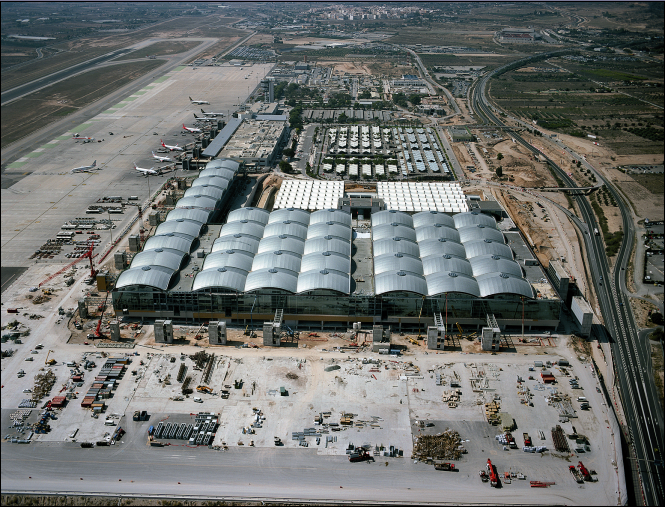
(585, 472)
(101, 316)
(88, 254)
(494, 481)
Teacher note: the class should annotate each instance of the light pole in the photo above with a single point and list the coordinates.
(108, 210)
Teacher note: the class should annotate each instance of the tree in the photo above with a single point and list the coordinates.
(285, 166)
(415, 99)
(499, 156)
(499, 171)
(289, 152)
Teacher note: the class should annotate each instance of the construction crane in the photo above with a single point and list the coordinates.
(49, 362)
(88, 255)
(101, 316)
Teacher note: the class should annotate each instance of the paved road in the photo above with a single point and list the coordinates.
(245, 473)
(33, 86)
(639, 397)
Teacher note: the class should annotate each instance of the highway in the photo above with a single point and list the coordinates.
(635, 386)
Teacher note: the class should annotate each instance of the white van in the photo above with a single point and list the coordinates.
(581, 399)
(109, 422)
(198, 400)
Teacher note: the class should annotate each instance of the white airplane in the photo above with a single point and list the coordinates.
(212, 114)
(161, 159)
(198, 101)
(171, 148)
(192, 130)
(85, 168)
(146, 172)
(203, 118)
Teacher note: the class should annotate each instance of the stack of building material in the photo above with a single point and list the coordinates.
(492, 412)
(446, 445)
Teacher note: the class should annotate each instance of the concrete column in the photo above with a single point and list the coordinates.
(83, 309)
(115, 330)
(159, 331)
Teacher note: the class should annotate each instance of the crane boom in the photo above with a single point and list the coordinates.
(87, 254)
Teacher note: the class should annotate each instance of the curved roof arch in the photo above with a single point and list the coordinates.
(242, 242)
(330, 215)
(495, 264)
(399, 281)
(167, 241)
(277, 259)
(390, 217)
(285, 243)
(323, 229)
(229, 258)
(224, 279)
(425, 218)
(441, 246)
(202, 201)
(444, 282)
(215, 181)
(397, 262)
(166, 257)
(393, 230)
(254, 214)
(157, 277)
(492, 284)
(328, 244)
(223, 162)
(287, 227)
(326, 260)
(471, 218)
(207, 190)
(395, 245)
(338, 282)
(198, 215)
(486, 246)
(223, 172)
(446, 262)
(272, 278)
(436, 231)
(292, 214)
(181, 226)
(254, 229)
(473, 232)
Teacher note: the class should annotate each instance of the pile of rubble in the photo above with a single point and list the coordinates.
(43, 385)
(446, 445)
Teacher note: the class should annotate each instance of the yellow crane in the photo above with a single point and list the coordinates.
(49, 362)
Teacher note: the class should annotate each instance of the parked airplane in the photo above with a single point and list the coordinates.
(192, 130)
(198, 101)
(81, 138)
(203, 118)
(85, 168)
(171, 148)
(212, 114)
(146, 172)
(161, 159)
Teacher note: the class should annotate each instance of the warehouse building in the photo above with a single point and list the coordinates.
(256, 142)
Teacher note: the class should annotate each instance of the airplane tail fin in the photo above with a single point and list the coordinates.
(203, 111)
(190, 99)
(94, 164)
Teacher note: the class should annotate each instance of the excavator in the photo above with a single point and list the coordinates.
(49, 362)
(204, 389)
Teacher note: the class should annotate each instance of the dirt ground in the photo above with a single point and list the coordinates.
(341, 68)
(641, 312)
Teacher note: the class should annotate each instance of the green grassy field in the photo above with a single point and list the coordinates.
(33, 112)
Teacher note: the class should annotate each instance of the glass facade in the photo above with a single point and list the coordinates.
(200, 306)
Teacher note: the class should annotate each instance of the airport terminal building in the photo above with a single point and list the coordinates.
(428, 263)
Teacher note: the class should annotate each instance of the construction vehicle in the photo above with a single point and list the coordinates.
(527, 439)
(585, 473)
(360, 455)
(204, 389)
(483, 475)
(20, 374)
(494, 480)
(87, 255)
(49, 362)
(576, 474)
(278, 441)
(446, 467)
(506, 478)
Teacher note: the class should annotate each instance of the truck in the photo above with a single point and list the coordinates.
(204, 389)
(445, 467)
(527, 439)
(359, 455)
(576, 474)
(595, 231)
